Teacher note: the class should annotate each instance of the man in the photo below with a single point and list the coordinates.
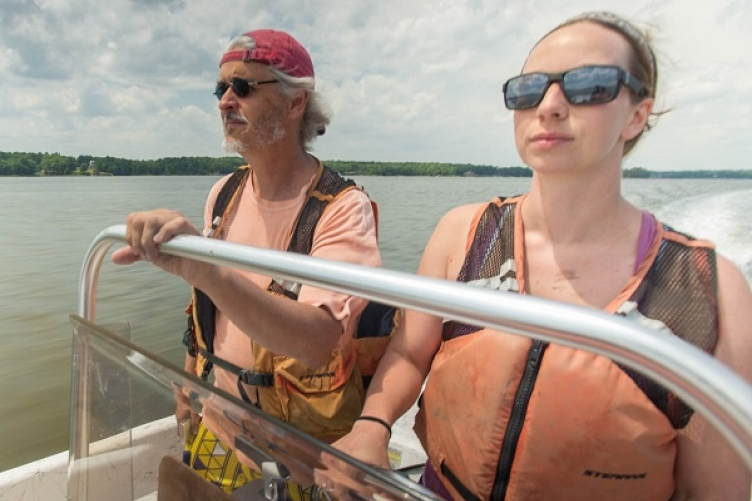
(270, 113)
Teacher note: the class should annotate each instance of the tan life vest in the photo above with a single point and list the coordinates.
(323, 401)
(506, 417)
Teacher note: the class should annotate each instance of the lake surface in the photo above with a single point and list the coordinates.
(48, 224)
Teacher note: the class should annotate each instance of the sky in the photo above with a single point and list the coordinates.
(406, 80)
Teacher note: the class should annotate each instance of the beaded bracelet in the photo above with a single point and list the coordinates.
(377, 420)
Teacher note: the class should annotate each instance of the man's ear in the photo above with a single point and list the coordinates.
(298, 104)
(639, 119)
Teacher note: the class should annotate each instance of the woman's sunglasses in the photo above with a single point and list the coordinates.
(239, 86)
(584, 85)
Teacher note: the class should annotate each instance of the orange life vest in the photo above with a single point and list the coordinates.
(323, 401)
(506, 417)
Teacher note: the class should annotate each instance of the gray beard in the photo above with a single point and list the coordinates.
(232, 145)
(265, 131)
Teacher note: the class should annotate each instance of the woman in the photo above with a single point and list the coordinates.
(504, 417)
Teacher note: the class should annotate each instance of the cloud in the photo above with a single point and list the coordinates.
(417, 81)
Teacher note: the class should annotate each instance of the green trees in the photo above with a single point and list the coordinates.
(55, 164)
(636, 172)
(430, 169)
(17, 165)
(639, 172)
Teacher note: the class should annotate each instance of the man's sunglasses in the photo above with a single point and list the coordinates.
(584, 85)
(239, 86)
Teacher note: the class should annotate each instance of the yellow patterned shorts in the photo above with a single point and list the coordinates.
(218, 464)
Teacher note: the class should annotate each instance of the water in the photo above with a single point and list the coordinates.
(48, 223)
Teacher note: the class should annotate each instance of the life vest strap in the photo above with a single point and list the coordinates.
(466, 493)
(244, 375)
(256, 378)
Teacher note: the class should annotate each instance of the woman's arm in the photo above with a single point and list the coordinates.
(707, 467)
(399, 378)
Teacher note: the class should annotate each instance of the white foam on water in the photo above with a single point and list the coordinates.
(723, 218)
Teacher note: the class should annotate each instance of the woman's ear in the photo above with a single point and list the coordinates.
(639, 119)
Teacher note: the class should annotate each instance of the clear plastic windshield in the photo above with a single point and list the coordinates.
(127, 446)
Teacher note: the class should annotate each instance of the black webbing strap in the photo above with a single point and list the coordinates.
(227, 191)
(329, 184)
(244, 376)
(464, 491)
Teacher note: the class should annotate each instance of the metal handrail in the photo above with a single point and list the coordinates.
(704, 383)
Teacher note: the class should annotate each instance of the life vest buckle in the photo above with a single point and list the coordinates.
(256, 378)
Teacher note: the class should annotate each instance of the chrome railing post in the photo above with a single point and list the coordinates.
(80, 401)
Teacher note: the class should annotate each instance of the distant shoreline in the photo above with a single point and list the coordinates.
(14, 164)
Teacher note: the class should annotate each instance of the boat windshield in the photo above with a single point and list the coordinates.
(116, 437)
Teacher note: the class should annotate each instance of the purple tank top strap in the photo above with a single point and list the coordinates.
(647, 234)
(431, 481)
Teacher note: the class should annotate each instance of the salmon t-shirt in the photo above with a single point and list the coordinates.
(346, 232)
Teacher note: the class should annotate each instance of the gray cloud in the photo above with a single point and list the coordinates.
(406, 80)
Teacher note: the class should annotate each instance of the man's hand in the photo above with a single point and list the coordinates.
(184, 413)
(146, 231)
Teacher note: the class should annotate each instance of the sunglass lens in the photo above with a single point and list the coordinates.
(591, 85)
(240, 87)
(220, 90)
(525, 91)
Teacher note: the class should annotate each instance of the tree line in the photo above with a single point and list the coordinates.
(55, 164)
(639, 172)
(433, 169)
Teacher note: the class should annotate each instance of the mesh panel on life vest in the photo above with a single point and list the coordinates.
(493, 245)
(680, 289)
(228, 191)
(329, 186)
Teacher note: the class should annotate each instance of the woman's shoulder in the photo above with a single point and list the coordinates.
(446, 248)
(462, 214)
(464, 217)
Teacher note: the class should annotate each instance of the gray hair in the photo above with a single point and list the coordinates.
(316, 116)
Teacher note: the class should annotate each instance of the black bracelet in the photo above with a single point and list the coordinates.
(376, 420)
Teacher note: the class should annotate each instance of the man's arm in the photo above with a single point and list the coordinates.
(275, 322)
(707, 467)
(295, 329)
